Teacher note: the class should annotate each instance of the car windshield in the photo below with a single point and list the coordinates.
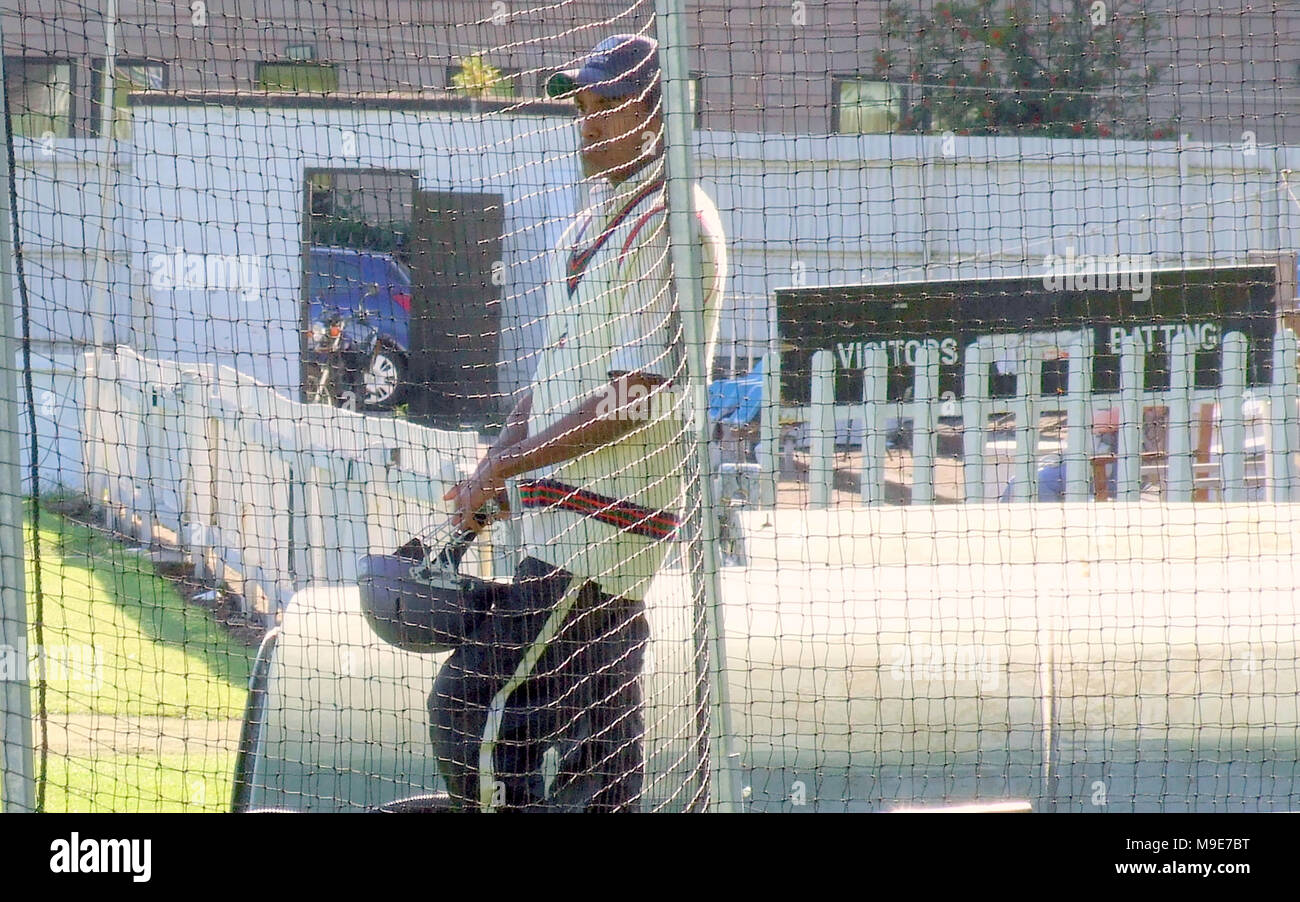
(401, 269)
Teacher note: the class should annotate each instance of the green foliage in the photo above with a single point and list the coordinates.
(479, 78)
(1045, 69)
(338, 222)
(342, 231)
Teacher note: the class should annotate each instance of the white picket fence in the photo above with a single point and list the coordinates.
(286, 494)
(1259, 423)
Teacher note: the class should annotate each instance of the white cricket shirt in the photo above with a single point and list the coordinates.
(607, 515)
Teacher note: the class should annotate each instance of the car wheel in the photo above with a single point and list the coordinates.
(385, 381)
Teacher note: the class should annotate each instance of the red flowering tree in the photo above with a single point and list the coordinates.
(1049, 69)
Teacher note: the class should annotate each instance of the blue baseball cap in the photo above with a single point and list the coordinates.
(624, 65)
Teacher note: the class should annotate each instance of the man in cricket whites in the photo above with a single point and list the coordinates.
(552, 667)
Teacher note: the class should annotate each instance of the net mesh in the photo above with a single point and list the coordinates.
(932, 440)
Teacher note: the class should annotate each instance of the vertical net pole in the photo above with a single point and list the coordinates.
(101, 302)
(687, 269)
(17, 784)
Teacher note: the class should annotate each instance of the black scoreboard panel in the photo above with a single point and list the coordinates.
(1203, 304)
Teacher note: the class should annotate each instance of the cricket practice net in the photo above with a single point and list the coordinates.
(894, 406)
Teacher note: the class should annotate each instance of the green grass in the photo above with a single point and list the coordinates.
(163, 784)
(121, 642)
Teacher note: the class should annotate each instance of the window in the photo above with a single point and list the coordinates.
(298, 77)
(40, 96)
(476, 78)
(954, 110)
(130, 75)
(696, 88)
(865, 107)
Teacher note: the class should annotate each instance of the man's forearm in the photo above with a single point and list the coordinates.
(593, 424)
(516, 427)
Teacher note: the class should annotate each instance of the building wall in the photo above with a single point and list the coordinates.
(221, 179)
(766, 65)
(213, 180)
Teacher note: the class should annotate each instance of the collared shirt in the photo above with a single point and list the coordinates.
(606, 515)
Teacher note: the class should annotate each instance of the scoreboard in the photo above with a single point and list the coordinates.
(901, 317)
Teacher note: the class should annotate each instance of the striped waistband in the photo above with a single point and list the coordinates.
(627, 516)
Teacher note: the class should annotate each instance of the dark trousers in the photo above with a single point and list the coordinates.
(570, 730)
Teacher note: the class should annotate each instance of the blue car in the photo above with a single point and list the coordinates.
(350, 279)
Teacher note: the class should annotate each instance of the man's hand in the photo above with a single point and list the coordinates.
(597, 421)
(472, 494)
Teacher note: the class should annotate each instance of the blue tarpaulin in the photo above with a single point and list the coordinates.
(736, 402)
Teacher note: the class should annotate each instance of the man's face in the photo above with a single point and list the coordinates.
(616, 132)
